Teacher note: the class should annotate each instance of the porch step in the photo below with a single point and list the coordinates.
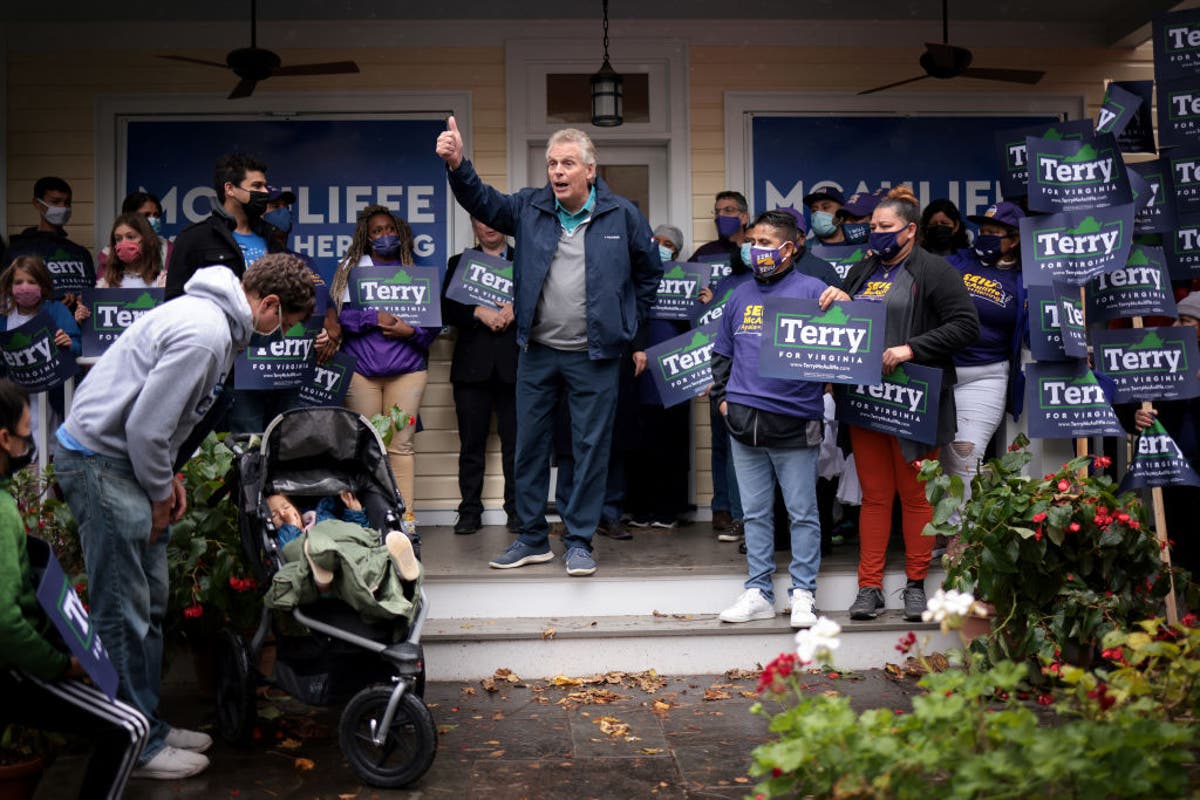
(473, 648)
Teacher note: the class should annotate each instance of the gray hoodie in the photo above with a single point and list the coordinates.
(147, 392)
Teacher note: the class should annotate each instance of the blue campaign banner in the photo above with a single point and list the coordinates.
(1138, 135)
(326, 384)
(1076, 175)
(335, 167)
(1159, 215)
(843, 344)
(1011, 147)
(66, 611)
(1120, 106)
(1179, 112)
(1068, 401)
(1177, 44)
(679, 289)
(719, 267)
(708, 313)
(681, 367)
(481, 280)
(840, 256)
(1149, 363)
(113, 310)
(1158, 461)
(1142, 288)
(1045, 327)
(410, 293)
(1185, 174)
(31, 358)
(1075, 246)
(947, 157)
(1070, 319)
(276, 364)
(1182, 249)
(905, 403)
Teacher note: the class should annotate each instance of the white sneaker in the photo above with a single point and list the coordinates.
(172, 764)
(750, 605)
(803, 613)
(183, 739)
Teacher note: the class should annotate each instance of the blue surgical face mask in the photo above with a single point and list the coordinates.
(386, 245)
(766, 262)
(823, 224)
(745, 253)
(856, 232)
(665, 253)
(280, 219)
(155, 224)
(885, 244)
(987, 247)
(728, 226)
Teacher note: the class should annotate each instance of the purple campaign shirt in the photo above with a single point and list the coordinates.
(379, 356)
(994, 292)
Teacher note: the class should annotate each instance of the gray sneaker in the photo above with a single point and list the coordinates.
(868, 604)
(579, 562)
(914, 601)
(519, 554)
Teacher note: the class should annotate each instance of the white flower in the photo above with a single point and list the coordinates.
(949, 608)
(818, 642)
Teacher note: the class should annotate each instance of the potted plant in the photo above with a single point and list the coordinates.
(1063, 559)
(21, 762)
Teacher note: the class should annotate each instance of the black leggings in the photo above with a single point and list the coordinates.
(117, 731)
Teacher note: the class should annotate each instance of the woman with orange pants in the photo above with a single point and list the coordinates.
(929, 317)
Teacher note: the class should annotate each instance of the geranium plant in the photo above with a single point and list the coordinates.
(1064, 558)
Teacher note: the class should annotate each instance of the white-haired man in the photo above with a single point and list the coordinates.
(585, 275)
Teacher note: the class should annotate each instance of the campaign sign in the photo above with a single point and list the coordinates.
(682, 366)
(1076, 175)
(70, 272)
(1075, 246)
(113, 310)
(1159, 214)
(1141, 288)
(720, 266)
(904, 403)
(1138, 135)
(31, 358)
(62, 605)
(1182, 249)
(706, 314)
(1185, 173)
(840, 256)
(326, 384)
(276, 364)
(1177, 45)
(1119, 107)
(409, 293)
(1149, 363)
(1066, 401)
(1158, 461)
(1046, 312)
(1179, 112)
(843, 344)
(481, 280)
(1070, 319)
(678, 290)
(1013, 148)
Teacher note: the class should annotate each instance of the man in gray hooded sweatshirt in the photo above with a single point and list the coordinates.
(114, 461)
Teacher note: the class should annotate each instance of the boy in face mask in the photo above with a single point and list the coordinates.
(823, 206)
(775, 425)
(48, 239)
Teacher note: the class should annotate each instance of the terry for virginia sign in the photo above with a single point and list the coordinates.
(409, 293)
(114, 310)
(1076, 175)
(682, 366)
(904, 403)
(1075, 246)
(1067, 401)
(1149, 363)
(843, 344)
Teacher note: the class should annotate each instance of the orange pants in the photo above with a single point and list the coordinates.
(883, 473)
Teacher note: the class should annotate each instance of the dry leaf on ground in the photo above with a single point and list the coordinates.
(549, 633)
(716, 694)
(303, 764)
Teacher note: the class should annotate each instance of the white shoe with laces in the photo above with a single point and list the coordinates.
(183, 739)
(750, 605)
(803, 612)
(172, 764)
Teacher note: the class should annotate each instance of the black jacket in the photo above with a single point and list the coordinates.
(208, 243)
(944, 320)
(478, 352)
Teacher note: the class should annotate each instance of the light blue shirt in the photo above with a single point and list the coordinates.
(571, 221)
(252, 245)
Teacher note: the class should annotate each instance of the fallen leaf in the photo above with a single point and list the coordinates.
(492, 742)
(503, 674)
(444, 729)
(549, 633)
(303, 764)
(563, 680)
(589, 696)
(290, 744)
(661, 707)
(748, 694)
(741, 780)
(658, 613)
(269, 712)
(489, 685)
(831, 693)
(496, 754)
(612, 726)
(652, 751)
(347, 796)
(468, 691)
(681, 616)
(742, 674)
(499, 715)
(715, 694)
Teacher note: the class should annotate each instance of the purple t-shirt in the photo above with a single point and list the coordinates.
(740, 337)
(876, 287)
(994, 291)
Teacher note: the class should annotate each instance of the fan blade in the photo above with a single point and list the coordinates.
(893, 85)
(1010, 75)
(328, 68)
(244, 88)
(196, 61)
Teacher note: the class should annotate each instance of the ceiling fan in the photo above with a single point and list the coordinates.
(945, 61)
(253, 64)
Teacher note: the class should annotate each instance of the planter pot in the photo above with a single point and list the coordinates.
(20, 781)
(976, 626)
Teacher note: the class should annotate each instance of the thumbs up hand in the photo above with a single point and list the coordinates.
(450, 145)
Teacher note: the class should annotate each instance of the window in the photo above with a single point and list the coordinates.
(569, 98)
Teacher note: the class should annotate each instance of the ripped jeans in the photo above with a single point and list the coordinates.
(979, 398)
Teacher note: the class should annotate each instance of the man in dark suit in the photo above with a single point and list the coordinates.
(484, 374)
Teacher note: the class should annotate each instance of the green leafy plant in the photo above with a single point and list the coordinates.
(391, 421)
(1063, 558)
(50, 519)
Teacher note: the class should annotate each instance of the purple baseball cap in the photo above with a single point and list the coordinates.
(860, 204)
(275, 193)
(1003, 213)
(801, 223)
(825, 193)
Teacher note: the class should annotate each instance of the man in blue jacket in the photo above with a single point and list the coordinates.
(586, 273)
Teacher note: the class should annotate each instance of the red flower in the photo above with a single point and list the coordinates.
(1100, 695)
(1135, 524)
(1190, 620)
(1040, 516)
(776, 772)
(1063, 485)
(1102, 461)
(1114, 654)
(1073, 527)
(412, 420)
(906, 642)
(1045, 700)
(194, 611)
(1037, 535)
(781, 667)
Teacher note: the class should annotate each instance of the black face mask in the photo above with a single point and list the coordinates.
(18, 463)
(939, 239)
(256, 206)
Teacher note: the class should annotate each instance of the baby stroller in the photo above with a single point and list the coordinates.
(386, 731)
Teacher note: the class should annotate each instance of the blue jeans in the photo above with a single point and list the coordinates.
(127, 575)
(591, 397)
(795, 468)
(724, 477)
(614, 485)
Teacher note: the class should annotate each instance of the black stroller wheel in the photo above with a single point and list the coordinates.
(237, 707)
(409, 748)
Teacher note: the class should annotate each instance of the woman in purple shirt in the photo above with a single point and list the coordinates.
(392, 355)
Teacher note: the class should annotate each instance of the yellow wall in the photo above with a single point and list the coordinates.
(50, 132)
